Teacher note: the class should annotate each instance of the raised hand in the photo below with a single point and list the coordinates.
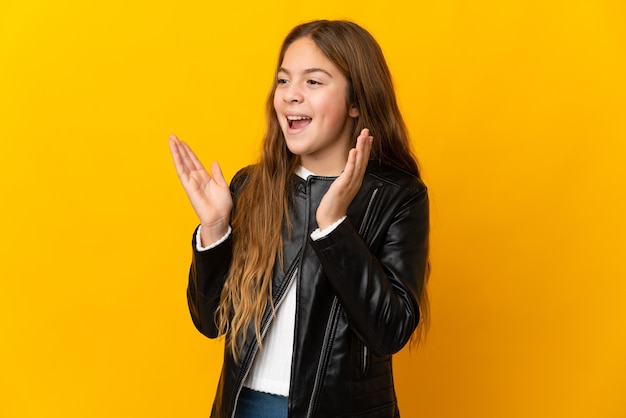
(209, 194)
(334, 204)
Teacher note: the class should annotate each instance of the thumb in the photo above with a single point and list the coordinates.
(216, 173)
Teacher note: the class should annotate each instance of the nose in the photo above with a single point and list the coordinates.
(292, 94)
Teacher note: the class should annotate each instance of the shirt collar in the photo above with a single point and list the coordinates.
(303, 173)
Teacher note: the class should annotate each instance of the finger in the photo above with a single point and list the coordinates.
(367, 149)
(366, 141)
(363, 148)
(360, 145)
(190, 158)
(176, 151)
(358, 148)
(181, 153)
(348, 170)
(216, 172)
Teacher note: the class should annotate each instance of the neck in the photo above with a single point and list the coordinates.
(330, 167)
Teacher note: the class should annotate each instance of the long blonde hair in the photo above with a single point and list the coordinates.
(261, 207)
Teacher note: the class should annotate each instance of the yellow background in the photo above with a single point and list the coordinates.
(518, 113)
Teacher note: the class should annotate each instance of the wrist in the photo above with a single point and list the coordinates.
(324, 222)
(322, 232)
(210, 233)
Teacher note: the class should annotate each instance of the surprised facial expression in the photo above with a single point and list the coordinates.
(312, 109)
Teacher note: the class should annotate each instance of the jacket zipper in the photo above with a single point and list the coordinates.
(368, 213)
(364, 361)
(328, 337)
(265, 327)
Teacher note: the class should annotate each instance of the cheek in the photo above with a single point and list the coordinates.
(276, 100)
(336, 112)
(277, 105)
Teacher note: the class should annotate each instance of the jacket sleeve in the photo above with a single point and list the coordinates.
(380, 292)
(208, 272)
(206, 278)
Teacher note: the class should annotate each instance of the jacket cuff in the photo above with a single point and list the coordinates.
(199, 246)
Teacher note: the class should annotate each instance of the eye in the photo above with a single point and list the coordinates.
(281, 81)
(313, 82)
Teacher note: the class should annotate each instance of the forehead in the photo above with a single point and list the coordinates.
(303, 54)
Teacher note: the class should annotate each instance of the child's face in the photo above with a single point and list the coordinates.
(313, 113)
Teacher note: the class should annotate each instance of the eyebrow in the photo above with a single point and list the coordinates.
(307, 71)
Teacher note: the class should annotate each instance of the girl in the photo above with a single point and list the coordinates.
(313, 262)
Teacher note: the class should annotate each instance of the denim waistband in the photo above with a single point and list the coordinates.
(255, 404)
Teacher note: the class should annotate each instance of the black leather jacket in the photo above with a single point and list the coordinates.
(357, 297)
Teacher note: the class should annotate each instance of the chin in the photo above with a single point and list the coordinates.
(295, 150)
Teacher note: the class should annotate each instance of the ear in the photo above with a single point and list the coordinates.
(354, 112)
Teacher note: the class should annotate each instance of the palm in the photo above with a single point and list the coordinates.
(335, 202)
(209, 194)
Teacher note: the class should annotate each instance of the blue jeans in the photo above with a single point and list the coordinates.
(254, 404)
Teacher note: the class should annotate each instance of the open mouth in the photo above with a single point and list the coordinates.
(298, 122)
